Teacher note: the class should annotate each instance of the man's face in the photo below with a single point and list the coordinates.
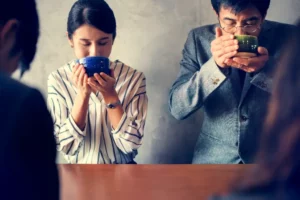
(247, 22)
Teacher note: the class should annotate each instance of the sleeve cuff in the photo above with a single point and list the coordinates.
(77, 130)
(225, 71)
(123, 123)
(214, 76)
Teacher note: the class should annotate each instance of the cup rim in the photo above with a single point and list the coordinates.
(249, 36)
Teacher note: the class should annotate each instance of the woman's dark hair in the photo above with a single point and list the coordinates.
(28, 32)
(278, 158)
(96, 13)
(239, 5)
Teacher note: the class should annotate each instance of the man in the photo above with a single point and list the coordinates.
(232, 91)
(27, 150)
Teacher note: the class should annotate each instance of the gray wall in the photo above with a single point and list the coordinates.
(151, 35)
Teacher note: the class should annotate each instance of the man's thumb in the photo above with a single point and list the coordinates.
(218, 32)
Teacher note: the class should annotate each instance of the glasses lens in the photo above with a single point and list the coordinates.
(250, 29)
(230, 29)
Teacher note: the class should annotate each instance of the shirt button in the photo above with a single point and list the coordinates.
(244, 118)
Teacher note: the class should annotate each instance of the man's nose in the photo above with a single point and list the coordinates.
(240, 31)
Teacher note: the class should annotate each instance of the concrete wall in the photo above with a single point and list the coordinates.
(151, 35)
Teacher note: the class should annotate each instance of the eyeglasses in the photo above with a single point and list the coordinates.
(246, 28)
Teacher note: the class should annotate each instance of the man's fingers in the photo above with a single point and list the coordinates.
(247, 69)
(242, 61)
(221, 52)
(232, 63)
(231, 42)
(227, 44)
(262, 51)
(222, 39)
(223, 60)
(227, 55)
(231, 49)
(255, 61)
(218, 32)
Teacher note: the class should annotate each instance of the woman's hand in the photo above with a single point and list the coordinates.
(80, 79)
(81, 103)
(104, 84)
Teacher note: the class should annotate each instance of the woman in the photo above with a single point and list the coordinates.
(100, 119)
(277, 174)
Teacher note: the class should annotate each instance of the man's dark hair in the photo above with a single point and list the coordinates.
(96, 13)
(239, 5)
(28, 31)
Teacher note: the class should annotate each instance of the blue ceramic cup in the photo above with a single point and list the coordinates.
(95, 64)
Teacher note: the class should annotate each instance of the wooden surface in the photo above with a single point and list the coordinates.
(144, 182)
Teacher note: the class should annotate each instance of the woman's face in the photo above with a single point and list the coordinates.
(90, 41)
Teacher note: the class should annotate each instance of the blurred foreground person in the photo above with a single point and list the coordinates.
(277, 174)
(28, 149)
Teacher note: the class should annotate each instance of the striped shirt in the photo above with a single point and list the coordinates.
(99, 142)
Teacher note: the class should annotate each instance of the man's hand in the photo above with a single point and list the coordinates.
(223, 47)
(250, 64)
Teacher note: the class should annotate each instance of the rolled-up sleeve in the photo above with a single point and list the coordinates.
(69, 137)
(129, 133)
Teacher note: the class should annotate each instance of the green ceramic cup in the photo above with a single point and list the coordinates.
(248, 45)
